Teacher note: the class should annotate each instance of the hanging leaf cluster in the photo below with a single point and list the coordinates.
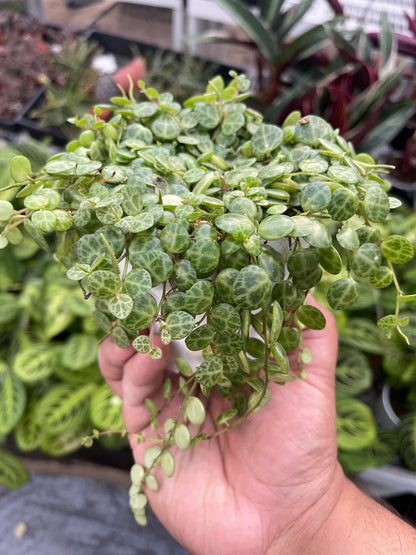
(206, 223)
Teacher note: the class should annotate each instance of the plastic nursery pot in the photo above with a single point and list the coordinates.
(133, 71)
(385, 414)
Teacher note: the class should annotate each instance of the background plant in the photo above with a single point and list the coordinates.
(233, 219)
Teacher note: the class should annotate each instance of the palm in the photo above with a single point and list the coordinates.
(283, 457)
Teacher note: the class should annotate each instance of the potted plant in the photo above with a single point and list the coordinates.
(235, 220)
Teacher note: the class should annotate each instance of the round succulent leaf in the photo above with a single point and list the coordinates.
(108, 215)
(204, 256)
(306, 282)
(179, 324)
(195, 410)
(183, 275)
(132, 202)
(368, 234)
(313, 166)
(6, 210)
(174, 301)
(175, 238)
(182, 436)
(275, 227)
(137, 224)
(164, 127)
(344, 174)
(143, 243)
(318, 236)
(207, 114)
(137, 282)
(397, 249)
(348, 239)
(315, 196)
(209, 372)
(310, 130)
(252, 287)
(143, 312)
(366, 259)
(302, 262)
(145, 109)
(167, 462)
(13, 473)
(302, 226)
(157, 262)
(289, 338)
(311, 317)
(200, 337)
(79, 351)
(330, 260)
(142, 344)
(44, 220)
(121, 305)
(228, 344)
(244, 206)
(266, 139)
(198, 298)
(90, 247)
(343, 293)
(381, 277)
(376, 204)
(224, 318)
(103, 283)
(232, 222)
(223, 284)
(344, 204)
(232, 123)
(103, 321)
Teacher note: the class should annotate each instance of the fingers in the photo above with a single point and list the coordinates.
(111, 360)
(133, 377)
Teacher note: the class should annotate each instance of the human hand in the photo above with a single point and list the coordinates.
(265, 486)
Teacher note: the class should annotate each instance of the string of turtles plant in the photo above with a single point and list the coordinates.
(231, 222)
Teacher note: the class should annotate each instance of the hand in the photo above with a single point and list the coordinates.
(261, 486)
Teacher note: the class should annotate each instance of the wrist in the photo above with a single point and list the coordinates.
(344, 520)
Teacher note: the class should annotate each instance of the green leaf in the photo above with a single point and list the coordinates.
(376, 204)
(79, 351)
(180, 324)
(254, 28)
(344, 204)
(195, 410)
(167, 462)
(13, 473)
(266, 139)
(137, 282)
(275, 227)
(343, 293)
(64, 407)
(35, 362)
(207, 114)
(12, 402)
(20, 168)
(315, 197)
(356, 428)
(200, 337)
(397, 249)
(6, 210)
(209, 372)
(175, 238)
(182, 436)
(105, 409)
(366, 259)
(311, 317)
(252, 287)
(121, 305)
(198, 298)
